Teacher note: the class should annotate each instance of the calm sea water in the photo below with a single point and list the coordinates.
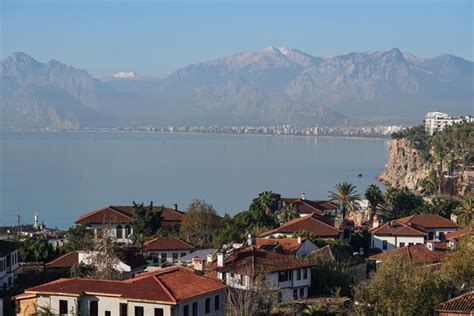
(64, 174)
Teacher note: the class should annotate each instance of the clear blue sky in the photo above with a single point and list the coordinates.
(158, 37)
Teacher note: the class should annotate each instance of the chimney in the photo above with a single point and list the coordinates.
(198, 265)
(220, 259)
(175, 206)
(299, 240)
(210, 257)
(303, 196)
(251, 241)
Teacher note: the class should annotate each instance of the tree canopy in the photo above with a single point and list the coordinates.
(145, 222)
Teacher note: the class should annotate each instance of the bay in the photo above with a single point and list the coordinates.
(61, 175)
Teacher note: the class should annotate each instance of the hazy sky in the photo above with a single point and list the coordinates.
(157, 37)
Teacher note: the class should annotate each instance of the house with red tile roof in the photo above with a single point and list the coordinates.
(126, 262)
(411, 230)
(308, 223)
(115, 219)
(167, 249)
(309, 207)
(428, 254)
(289, 246)
(462, 305)
(242, 268)
(169, 291)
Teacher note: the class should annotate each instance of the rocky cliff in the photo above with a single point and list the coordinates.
(405, 166)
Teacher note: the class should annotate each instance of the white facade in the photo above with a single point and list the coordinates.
(392, 242)
(306, 247)
(121, 233)
(438, 121)
(88, 257)
(211, 304)
(438, 234)
(170, 256)
(8, 265)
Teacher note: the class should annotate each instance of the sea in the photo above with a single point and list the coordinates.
(60, 175)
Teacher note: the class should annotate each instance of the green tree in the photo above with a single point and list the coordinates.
(440, 206)
(465, 212)
(79, 237)
(285, 214)
(401, 288)
(329, 276)
(267, 201)
(375, 197)
(400, 202)
(38, 250)
(145, 222)
(458, 263)
(346, 197)
(201, 224)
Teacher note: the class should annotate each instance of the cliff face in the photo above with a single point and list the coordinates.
(405, 166)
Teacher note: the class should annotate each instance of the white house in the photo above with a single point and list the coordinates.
(298, 247)
(167, 249)
(9, 263)
(308, 223)
(115, 220)
(171, 291)
(128, 263)
(243, 268)
(411, 230)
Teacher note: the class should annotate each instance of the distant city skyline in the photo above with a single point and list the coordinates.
(155, 38)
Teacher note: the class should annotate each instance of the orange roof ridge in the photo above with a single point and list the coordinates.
(165, 288)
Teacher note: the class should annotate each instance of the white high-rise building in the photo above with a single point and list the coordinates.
(437, 121)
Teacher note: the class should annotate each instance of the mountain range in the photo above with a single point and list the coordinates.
(271, 86)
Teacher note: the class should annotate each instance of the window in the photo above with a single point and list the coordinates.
(402, 244)
(241, 280)
(442, 236)
(94, 308)
(183, 254)
(128, 231)
(62, 307)
(107, 313)
(195, 309)
(175, 256)
(295, 294)
(159, 312)
(410, 244)
(186, 310)
(217, 302)
(430, 235)
(305, 273)
(283, 276)
(139, 311)
(298, 274)
(301, 292)
(384, 244)
(119, 232)
(208, 305)
(123, 309)
(164, 257)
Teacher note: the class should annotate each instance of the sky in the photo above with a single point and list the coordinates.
(155, 38)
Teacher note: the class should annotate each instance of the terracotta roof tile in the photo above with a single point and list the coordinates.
(428, 221)
(306, 223)
(167, 243)
(287, 245)
(65, 261)
(169, 285)
(123, 214)
(459, 233)
(311, 206)
(415, 254)
(461, 304)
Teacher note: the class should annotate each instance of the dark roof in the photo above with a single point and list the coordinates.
(287, 246)
(167, 243)
(8, 246)
(123, 214)
(253, 261)
(461, 304)
(305, 223)
(415, 254)
(168, 285)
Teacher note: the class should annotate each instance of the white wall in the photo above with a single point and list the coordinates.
(52, 302)
(438, 231)
(169, 255)
(201, 301)
(395, 241)
(306, 248)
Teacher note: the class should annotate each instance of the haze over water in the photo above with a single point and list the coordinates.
(64, 174)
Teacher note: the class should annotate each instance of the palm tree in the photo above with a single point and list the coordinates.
(465, 212)
(346, 196)
(267, 201)
(286, 214)
(375, 198)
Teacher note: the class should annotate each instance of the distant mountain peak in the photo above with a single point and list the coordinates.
(125, 75)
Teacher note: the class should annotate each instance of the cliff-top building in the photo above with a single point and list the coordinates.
(438, 121)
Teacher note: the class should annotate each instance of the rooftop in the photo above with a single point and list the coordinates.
(416, 254)
(461, 304)
(414, 225)
(305, 223)
(167, 243)
(165, 285)
(8, 246)
(287, 246)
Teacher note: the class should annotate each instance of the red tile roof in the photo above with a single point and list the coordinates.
(311, 206)
(65, 261)
(305, 223)
(396, 228)
(167, 243)
(123, 214)
(253, 261)
(414, 225)
(287, 245)
(415, 254)
(168, 285)
(461, 304)
(428, 221)
(459, 233)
